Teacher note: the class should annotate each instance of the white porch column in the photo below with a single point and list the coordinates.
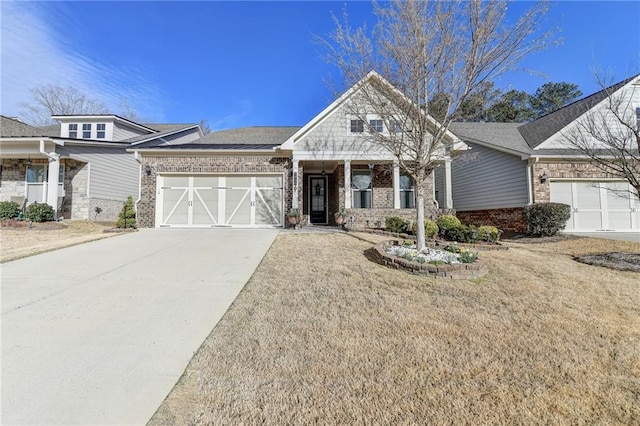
(447, 184)
(347, 184)
(396, 185)
(52, 181)
(294, 179)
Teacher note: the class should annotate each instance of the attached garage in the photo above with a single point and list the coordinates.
(598, 205)
(211, 200)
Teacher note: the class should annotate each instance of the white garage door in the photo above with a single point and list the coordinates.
(225, 200)
(598, 206)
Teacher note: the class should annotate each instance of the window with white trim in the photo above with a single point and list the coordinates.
(101, 129)
(357, 126)
(361, 188)
(407, 192)
(396, 126)
(73, 131)
(86, 131)
(376, 125)
(36, 178)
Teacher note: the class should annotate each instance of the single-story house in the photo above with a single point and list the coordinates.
(253, 176)
(79, 166)
(510, 165)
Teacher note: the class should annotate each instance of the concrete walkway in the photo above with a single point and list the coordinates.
(99, 333)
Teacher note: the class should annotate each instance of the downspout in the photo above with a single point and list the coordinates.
(136, 156)
(530, 178)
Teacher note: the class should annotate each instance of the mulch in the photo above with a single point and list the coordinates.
(621, 261)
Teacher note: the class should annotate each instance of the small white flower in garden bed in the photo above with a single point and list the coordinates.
(430, 255)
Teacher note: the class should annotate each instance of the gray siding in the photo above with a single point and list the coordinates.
(114, 172)
(187, 136)
(483, 178)
(121, 132)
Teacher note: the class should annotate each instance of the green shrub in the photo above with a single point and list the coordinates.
(127, 216)
(396, 224)
(39, 212)
(468, 256)
(488, 233)
(430, 229)
(447, 221)
(546, 219)
(9, 210)
(462, 234)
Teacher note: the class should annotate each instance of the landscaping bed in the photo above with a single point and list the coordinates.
(430, 262)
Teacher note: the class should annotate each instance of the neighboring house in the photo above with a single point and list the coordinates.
(79, 166)
(252, 176)
(510, 165)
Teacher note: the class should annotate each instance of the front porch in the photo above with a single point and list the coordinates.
(368, 191)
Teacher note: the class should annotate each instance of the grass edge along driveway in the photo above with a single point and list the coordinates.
(320, 334)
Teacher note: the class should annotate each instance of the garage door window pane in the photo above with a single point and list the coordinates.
(179, 181)
(269, 182)
(205, 182)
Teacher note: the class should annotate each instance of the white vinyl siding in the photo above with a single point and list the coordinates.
(483, 178)
(114, 172)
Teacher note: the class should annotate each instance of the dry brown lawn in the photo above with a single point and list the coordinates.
(16, 243)
(322, 335)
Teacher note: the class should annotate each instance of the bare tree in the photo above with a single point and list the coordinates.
(204, 126)
(609, 133)
(48, 100)
(424, 48)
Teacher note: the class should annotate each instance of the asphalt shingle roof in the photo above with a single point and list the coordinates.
(10, 127)
(216, 146)
(251, 135)
(504, 135)
(548, 125)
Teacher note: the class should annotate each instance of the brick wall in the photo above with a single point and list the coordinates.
(562, 170)
(195, 164)
(509, 219)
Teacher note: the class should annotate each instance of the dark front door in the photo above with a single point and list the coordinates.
(318, 199)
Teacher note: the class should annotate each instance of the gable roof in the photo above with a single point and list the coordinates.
(373, 77)
(549, 124)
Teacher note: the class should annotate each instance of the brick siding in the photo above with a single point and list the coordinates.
(561, 170)
(508, 219)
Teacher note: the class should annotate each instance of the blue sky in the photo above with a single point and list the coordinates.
(250, 63)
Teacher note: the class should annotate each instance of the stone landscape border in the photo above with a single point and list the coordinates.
(456, 271)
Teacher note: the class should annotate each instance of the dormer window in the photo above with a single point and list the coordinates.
(357, 126)
(86, 131)
(101, 129)
(376, 125)
(73, 131)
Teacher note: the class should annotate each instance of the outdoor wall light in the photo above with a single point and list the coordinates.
(543, 177)
(147, 170)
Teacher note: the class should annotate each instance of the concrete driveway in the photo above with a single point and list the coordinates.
(99, 333)
(619, 236)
